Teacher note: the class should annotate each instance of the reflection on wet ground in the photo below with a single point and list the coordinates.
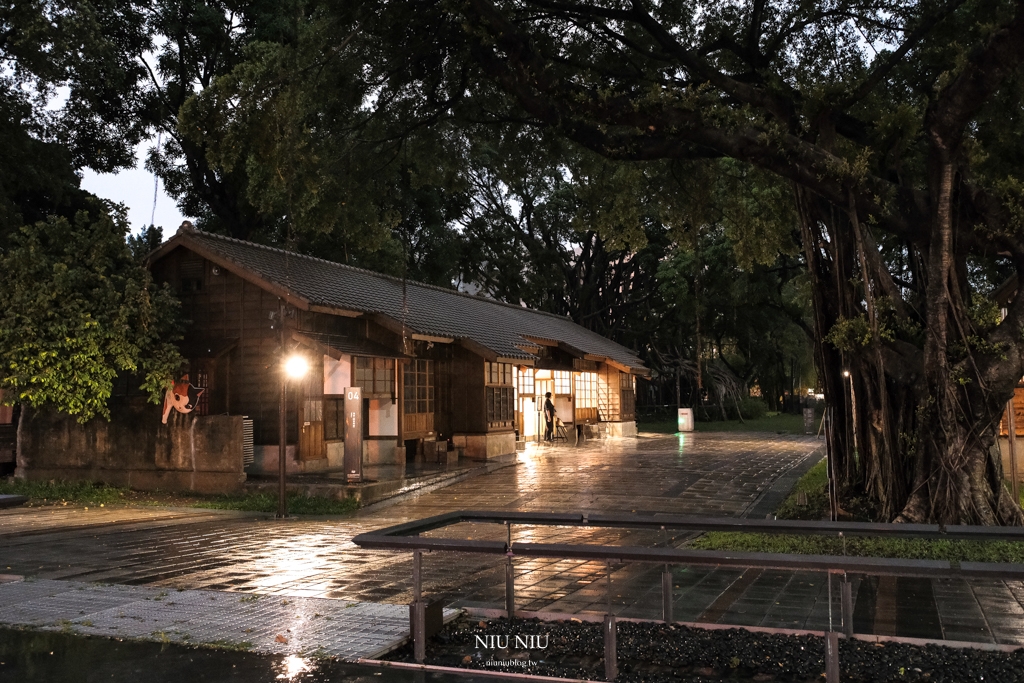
(47, 657)
(715, 474)
(721, 474)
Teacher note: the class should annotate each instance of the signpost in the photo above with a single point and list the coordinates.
(809, 421)
(354, 434)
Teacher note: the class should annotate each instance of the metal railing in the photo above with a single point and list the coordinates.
(407, 537)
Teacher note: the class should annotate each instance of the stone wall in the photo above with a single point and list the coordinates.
(134, 449)
(486, 446)
(627, 428)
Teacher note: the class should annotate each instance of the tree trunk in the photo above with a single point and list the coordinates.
(915, 427)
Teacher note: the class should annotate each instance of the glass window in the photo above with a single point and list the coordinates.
(563, 382)
(374, 375)
(500, 406)
(418, 386)
(498, 373)
(586, 390)
(526, 384)
(334, 419)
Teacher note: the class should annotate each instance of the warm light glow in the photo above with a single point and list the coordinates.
(846, 373)
(292, 666)
(296, 367)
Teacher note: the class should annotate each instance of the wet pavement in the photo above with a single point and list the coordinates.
(257, 623)
(713, 474)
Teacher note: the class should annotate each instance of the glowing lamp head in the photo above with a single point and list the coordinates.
(846, 373)
(296, 367)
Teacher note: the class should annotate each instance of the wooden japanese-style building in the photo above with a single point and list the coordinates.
(437, 370)
(433, 364)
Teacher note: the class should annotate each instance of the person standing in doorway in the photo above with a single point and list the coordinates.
(549, 417)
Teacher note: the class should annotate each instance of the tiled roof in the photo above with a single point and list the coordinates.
(430, 310)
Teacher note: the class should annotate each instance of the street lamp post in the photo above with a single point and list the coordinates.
(293, 367)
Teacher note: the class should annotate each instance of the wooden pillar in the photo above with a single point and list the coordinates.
(399, 378)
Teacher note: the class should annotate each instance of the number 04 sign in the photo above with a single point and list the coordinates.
(354, 433)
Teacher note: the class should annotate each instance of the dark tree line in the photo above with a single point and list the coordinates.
(711, 184)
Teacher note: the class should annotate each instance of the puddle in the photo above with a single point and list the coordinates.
(29, 656)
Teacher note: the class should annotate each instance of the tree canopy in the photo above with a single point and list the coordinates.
(76, 309)
(712, 184)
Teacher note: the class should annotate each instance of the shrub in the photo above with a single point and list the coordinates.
(753, 409)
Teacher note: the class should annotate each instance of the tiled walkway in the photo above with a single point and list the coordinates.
(259, 623)
(719, 474)
(701, 473)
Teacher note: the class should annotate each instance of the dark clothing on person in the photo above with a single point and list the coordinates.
(549, 419)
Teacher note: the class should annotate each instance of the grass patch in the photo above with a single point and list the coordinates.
(902, 548)
(771, 422)
(815, 484)
(57, 492)
(91, 494)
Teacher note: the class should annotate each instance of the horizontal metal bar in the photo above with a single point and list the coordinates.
(879, 566)
(420, 525)
(693, 523)
(993, 570)
(457, 545)
(403, 537)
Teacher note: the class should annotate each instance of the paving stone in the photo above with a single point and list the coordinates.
(305, 560)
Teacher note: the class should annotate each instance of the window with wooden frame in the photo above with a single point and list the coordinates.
(526, 382)
(627, 396)
(499, 374)
(374, 375)
(334, 418)
(586, 390)
(191, 273)
(418, 383)
(500, 405)
(563, 382)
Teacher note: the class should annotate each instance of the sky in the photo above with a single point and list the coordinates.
(134, 188)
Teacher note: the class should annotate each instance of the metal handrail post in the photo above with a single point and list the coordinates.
(666, 594)
(611, 666)
(419, 616)
(847, 606)
(510, 576)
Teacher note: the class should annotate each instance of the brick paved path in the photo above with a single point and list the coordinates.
(262, 624)
(722, 474)
(701, 473)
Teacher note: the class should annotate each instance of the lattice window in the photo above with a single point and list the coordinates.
(498, 374)
(374, 375)
(563, 382)
(500, 406)
(627, 406)
(526, 383)
(334, 419)
(586, 390)
(418, 380)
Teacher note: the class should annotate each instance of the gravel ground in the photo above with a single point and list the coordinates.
(652, 652)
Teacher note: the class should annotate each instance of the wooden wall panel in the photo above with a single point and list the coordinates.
(1018, 414)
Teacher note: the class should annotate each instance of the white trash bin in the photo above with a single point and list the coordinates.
(685, 420)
